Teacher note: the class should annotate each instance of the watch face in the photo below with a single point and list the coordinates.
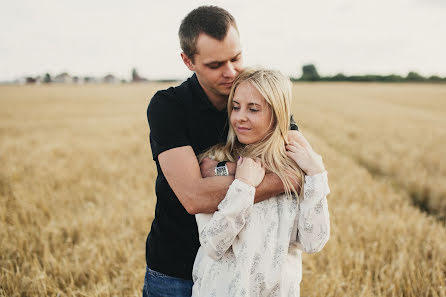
(221, 171)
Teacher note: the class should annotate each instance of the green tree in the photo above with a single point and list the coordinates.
(413, 76)
(47, 78)
(434, 78)
(135, 75)
(339, 77)
(309, 73)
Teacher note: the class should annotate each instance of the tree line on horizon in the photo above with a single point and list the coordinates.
(310, 73)
(65, 77)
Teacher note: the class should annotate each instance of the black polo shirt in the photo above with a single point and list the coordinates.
(179, 116)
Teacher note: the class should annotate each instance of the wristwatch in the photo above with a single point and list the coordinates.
(221, 169)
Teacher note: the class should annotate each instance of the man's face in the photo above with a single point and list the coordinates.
(217, 63)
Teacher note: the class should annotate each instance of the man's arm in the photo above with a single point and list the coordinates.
(270, 186)
(202, 195)
(196, 194)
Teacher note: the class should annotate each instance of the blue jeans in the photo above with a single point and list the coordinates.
(157, 284)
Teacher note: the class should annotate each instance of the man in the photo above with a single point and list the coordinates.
(185, 121)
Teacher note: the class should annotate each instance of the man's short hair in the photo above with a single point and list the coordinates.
(211, 20)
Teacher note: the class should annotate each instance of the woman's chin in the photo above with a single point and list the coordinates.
(244, 141)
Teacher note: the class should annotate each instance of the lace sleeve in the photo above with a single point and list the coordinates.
(217, 231)
(313, 221)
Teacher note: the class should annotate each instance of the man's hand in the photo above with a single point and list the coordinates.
(207, 167)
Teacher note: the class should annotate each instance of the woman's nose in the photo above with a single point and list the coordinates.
(242, 116)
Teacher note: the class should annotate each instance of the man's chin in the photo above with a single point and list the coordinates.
(225, 90)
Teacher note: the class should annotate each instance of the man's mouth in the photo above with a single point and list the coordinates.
(229, 84)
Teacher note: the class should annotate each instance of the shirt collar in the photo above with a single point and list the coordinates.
(203, 99)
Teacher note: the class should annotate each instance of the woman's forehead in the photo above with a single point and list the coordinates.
(248, 93)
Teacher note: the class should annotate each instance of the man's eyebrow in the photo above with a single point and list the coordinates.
(238, 54)
(220, 62)
(213, 62)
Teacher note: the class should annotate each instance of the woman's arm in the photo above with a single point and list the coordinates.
(312, 225)
(218, 231)
(313, 221)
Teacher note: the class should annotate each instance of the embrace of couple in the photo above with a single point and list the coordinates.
(240, 192)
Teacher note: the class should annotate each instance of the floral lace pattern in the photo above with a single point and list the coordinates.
(252, 249)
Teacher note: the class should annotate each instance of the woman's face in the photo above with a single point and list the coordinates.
(251, 115)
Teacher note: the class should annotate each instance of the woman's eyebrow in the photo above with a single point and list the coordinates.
(253, 103)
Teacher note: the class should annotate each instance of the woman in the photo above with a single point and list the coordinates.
(252, 249)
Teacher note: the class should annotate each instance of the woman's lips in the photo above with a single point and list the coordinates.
(243, 129)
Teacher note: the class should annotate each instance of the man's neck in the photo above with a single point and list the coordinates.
(218, 100)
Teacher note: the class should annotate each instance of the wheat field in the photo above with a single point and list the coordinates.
(77, 188)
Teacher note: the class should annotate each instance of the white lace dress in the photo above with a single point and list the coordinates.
(252, 249)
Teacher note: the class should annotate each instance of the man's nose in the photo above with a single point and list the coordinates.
(230, 71)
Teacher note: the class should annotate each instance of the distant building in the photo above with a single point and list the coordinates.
(110, 79)
(39, 79)
(90, 80)
(63, 78)
(136, 77)
(30, 80)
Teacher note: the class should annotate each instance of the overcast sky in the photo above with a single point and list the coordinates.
(97, 37)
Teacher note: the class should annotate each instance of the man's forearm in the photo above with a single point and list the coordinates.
(210, 192)
(271, 186)
(214, 191)
(215, 188)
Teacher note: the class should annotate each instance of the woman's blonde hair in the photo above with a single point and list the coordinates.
(276, 90)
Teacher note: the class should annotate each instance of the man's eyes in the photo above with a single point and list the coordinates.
(217, 65)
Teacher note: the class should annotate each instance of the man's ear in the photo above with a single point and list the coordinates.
(187, 62)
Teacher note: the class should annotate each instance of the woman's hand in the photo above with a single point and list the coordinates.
(300, 150)
(250, 171)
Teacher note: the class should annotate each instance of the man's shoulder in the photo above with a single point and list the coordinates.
(172, 96)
